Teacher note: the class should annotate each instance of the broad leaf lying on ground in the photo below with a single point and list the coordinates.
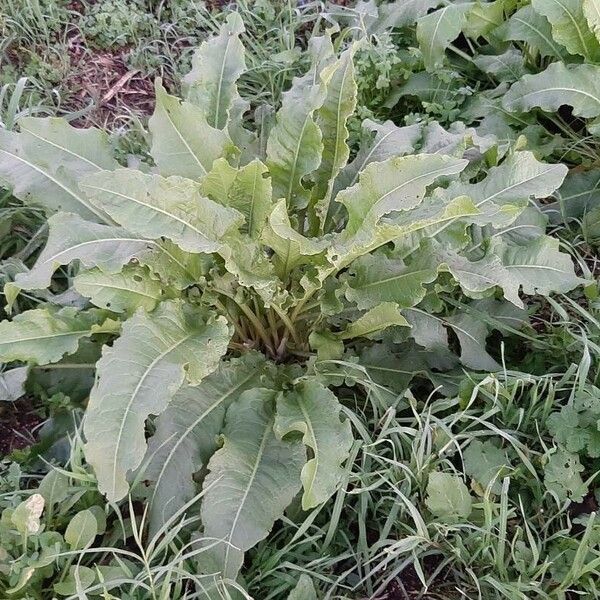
(224, 282)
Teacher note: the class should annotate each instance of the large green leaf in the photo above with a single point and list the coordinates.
(579, 193)
(396, 184)
(187, 431)
(44, 335)
(476, 278)
(157, 207)
(295, 144)
(247, 189)
(291, 248)
(247, 260)
(575, 85)
(539, 266)
(132, 288)
(591, 10)
(331, 118)
(380, 317)
(183, 143)
(376, 278)
(402, 14)
(314, 411)
(175, 267)
(506, 190)
(138, 376)
(252, 479)
(389, 141)
(483, 18)
(473, 326)
(406, 228)
(391, 186)
(94, 245)
(529, 26)
(507, 66)
(437, 29)
(216, 67)
(44, 163)
(569, 26)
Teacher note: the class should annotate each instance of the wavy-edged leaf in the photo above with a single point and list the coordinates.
(291, 248)
(247, 189)
(216, 67)
(389, 141)
(295, 142)
(432, 216)
(247, 260)
(44, 335)
(183, 143)
(331, 118)
(394, 185)
(314, 411)
(506, 190)
(252, 479)
(483, 17)
(575, 85)
(539, 267)
(12, 383)
(443, 88)
(138, 376)
(382, 316)
(156, 207)
(122, 292)
(187, 431)
(175, 267)
(569, 26)
(93, 244)
(376, 278)
(579, 193)
(437, 29)
(591, 11)
(472, 334)
(472, 328)
(393, 372)
(527, 25)
(476, 278)
(44, 163)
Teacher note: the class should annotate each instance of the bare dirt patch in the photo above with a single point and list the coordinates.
(18, 423)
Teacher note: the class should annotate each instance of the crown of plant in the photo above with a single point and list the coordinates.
(227, 282)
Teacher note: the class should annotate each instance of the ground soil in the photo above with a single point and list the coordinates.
(408, 586)
(104, 80)
(18, 423)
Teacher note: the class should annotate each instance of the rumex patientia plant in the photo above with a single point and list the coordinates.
(231, 290)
